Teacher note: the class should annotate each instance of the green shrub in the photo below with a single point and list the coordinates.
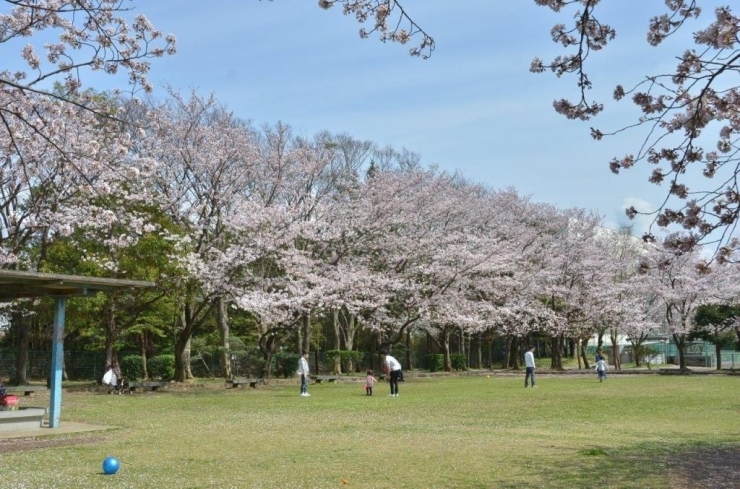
(435, 362)
(286, 364)
(161, 366)
(349, 359)
(132, 367)
(458, 361)
(247, 363)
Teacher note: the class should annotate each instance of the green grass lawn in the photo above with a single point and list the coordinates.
(443, 432)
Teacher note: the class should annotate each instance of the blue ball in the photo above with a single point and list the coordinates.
(110, 465)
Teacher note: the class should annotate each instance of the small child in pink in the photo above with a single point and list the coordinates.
(369, 381)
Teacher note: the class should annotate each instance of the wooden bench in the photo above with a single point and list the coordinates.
(328, 378)
(244, 381)
(151, 385)
(674, 371)
(27, 390)
(22, 419)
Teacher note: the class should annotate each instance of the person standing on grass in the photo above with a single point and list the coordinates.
(303, 371)
(601, 368)
(529, 364)
(394, 371)
(369, 382)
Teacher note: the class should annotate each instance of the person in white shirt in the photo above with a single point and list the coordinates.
(111, 379)
(394, 371)
(303, 371)
(601, 368)
(529, 364)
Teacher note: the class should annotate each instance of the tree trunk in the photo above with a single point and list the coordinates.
(408, 349)
(680, 341)
(614, 336)
(584, 354)
(337, 368)
(556, 363)
(145, 374)
(718, 353)
(21, 354)
(446, 349)
(373, 342)
(572, 348)
(223, 328)
(306, 332)
(267, 369)
(349, 338)
(182, 345)
(507, 352)
(111, 333)
(636, 352)
(479, 352)
(489, 340)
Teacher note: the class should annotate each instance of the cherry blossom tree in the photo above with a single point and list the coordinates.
(389, 20)
(689, 114)
(683, 283)
(575, 268)
(620, 304)
(64, 180)
(204, 156)
(54, 144)
(53, 125)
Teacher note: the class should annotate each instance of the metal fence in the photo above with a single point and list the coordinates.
(78, 365)
(86, 365)
(729, 360)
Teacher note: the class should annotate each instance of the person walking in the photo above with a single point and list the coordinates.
(394, 371)
(599, 355)
(529, 364)
(369, 382)
(601, 368)
(303, 371)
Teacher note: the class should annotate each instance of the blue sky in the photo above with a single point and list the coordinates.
(473, 106)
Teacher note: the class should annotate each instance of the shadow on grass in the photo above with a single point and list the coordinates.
(654, 465)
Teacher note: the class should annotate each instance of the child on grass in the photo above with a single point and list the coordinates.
(369, 381)
(303, 371)
(601, 368)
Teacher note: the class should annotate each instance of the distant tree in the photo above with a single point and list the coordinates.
(681, 284)
(715, 323)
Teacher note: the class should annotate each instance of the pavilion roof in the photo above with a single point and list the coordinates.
(17, 284)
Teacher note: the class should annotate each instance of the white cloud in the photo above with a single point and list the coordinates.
(642, 222)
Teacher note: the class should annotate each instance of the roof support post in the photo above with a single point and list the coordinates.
(57, 363)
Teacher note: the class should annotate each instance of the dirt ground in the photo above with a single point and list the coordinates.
(32, 443)
(710, 468)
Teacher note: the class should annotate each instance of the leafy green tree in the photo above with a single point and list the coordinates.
(714, 323)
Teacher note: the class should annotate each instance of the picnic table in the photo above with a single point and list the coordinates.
(328, 378)
(151, 385)
(237, 381)
(27, 390)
